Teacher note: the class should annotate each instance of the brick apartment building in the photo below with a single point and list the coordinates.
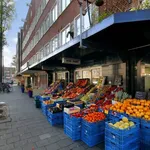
(46, 39)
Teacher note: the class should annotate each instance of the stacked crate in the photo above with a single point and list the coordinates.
(72, 127)
(45, 107)
(92, 133)
(122, 139)
(55, 118)
(145, 135)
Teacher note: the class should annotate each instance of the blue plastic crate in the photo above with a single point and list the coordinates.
(55, 115)
(117, 139)
(134, 119)
(55, 121)
(44, 98)
(145, 145)
(92, 140)
(116, 114)
(72, 121)
(133, 145)
(145, 134)
(93, 128)
(145, 124)
(45, 107)
(37, 97)
(73, 134)
(120, 132)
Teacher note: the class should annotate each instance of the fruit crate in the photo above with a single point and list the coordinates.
(55, 115)
(120, 132)
(45, 107)
(145, 134)
(120, 140)
(72, 133)
(72, 122)
(93, 128)
(132, 145)
(114, 114)
(134, 119)
(145, 124)
(54, 122)
(92, 140)
(145, 145)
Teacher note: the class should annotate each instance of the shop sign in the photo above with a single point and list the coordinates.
(72, 61)
(26, 75)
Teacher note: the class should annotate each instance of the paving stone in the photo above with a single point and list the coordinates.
(44, 136)
(2, 142)
(13, 139)
(6, 136)
(74, 145)
(30, 146)
(11, 130)
(53, 139)
(42, 143)
(7, 147)
(93, 148)
(65, 142)
(79, 148)
(20, 143)
(37, 132)
(34, 139)
(41, 148)
(25, 136)
(54, 146)
(62, 136)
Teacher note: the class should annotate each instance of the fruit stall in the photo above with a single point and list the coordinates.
(108, 114)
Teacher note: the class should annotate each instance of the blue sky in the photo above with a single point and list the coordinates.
(11, 35)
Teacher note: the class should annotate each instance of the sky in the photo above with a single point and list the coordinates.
(11, 35)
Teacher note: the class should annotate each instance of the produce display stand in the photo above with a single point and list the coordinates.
(108, 115)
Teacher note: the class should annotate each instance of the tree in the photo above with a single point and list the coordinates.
(14, 63)
(7, 10)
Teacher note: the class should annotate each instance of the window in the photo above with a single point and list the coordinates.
(77, 26)
(86, 23)
(64, 38)
(47, 49)
(54, 44)
(64, 4)
(47, 1)
(54, 13)
(42, 53)
(48, 22)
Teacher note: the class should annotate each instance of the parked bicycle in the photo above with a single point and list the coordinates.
(5, 87)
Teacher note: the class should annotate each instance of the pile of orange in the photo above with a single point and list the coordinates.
(134, 108)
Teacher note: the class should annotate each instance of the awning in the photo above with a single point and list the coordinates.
(125, 30)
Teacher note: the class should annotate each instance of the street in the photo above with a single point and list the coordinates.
(29, 129)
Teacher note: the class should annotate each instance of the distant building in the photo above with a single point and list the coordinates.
(9, 73)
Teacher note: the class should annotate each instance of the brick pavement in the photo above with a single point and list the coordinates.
(29, 129)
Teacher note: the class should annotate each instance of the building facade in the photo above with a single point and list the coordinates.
(9, 73)
(54, 26)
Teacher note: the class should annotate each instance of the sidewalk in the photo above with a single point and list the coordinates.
(29, 129)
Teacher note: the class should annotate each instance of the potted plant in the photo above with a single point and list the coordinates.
(30, 91)
(99, 2)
